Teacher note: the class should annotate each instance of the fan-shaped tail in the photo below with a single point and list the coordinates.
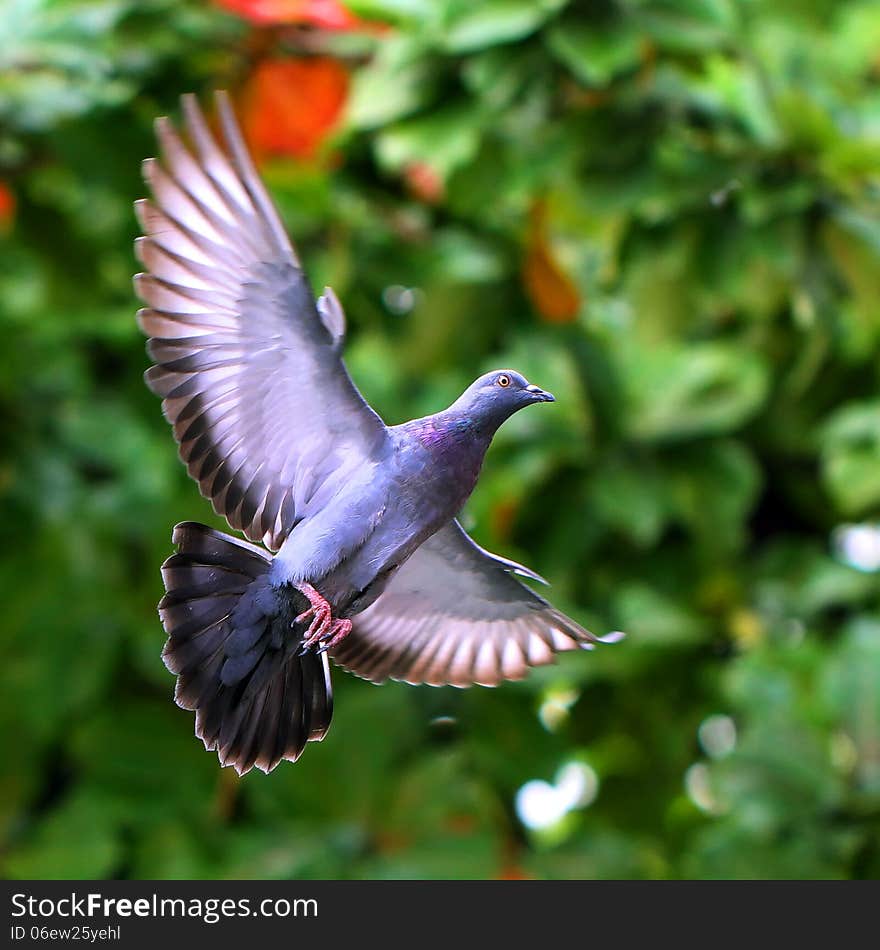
(231, 644)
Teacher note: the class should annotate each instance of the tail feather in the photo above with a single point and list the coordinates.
(235, 655)
(316, 686)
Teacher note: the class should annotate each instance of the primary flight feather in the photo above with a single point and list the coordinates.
(370, 565)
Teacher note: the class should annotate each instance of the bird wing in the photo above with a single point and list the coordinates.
(455, 614)
(248, 364)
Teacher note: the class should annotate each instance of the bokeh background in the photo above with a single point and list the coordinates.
(666, 211)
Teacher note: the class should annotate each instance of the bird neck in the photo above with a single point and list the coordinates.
(456, 444)
(457, 422)
(454, 430)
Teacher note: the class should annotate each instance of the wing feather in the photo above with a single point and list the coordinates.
(454, 614)
(247, 364)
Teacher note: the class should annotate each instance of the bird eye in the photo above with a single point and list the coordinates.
(503, 381)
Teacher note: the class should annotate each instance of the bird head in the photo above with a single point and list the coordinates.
(496, 396)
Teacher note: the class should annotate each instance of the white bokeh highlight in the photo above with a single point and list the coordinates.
(541, 805)
(858, 546)
(717, 735)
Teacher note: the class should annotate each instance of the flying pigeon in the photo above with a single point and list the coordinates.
(358, 554)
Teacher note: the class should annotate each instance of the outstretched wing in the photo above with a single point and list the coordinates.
(455, 614)
(248, 365)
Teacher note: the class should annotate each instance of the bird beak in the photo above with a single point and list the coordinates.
(540, 395)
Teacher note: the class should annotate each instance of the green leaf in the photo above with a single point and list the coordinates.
(77, 840)
(404, 12)
(850, 685)
(473, 26)
(396, 82)
(850, 443)
(854, 244)
(713, 489)
(677, 392)
(651, 618)
(444, 140)
(632, 498)
(595, 53)
(686, 25)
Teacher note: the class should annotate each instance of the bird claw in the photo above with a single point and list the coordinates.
(324, 632)
(339, 630)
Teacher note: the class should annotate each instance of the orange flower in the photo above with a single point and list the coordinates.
(290, 106)
(7, 207)
(328, 14)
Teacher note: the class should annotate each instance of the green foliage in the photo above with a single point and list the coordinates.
(705, 175)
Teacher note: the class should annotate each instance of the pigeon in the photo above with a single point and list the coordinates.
(353, 548)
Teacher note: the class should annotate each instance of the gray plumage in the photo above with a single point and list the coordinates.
(268, 422)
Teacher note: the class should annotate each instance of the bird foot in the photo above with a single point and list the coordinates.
(318, 612)
(339, 630)
(324, 631)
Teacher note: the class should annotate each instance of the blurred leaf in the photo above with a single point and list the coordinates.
(632, 498)
(394, 84)
(854, 245)
(54, 62)
(850, 454)
(851, 685)
(713, 489)
(681, 392)
(116, 751)
(687, 25)
(650, 618)
(79, 839)
(394, 11)
(595, 53)
(803, 581)
(442, 142)
(471, 26)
